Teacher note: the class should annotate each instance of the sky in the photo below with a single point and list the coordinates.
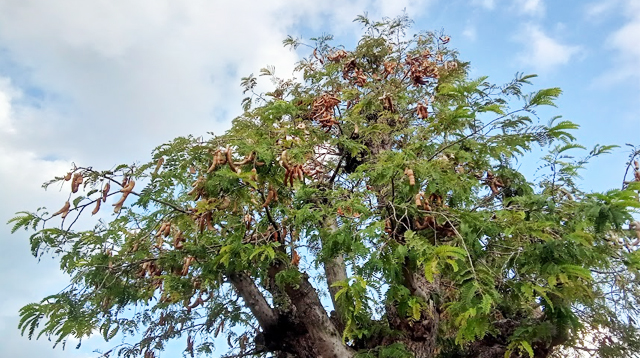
(103, 82)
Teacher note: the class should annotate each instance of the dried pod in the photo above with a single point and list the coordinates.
(167, 230)
(64, 210)
(185, 267)
(419, 199)
(389, 67)
(387, 226)
(422, 110)
(249, 158)
(161, 229)
(412, 179)
(75, 182)
(232, 166)
(67, 177)
(178, 240)
(192, 169)
(209, 218)
(105, 192)
(295, 258)
(291, 176)
(159, 165)
(269, 198)
(216, 161)
(97, 208)
(337, 56)
(119, 203)
(387, 103)
(125, 192)
(129, 187)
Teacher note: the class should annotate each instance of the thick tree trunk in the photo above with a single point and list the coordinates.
(327, 341)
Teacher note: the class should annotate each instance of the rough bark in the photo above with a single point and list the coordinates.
(327, 342)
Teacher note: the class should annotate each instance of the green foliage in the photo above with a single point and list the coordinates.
(388, 158)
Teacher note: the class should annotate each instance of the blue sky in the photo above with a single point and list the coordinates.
(103, 82)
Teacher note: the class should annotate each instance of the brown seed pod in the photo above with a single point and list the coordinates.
(178, 240)
(185, 267)
(291, 176)
(232, 166)
(419, 199)
(412, 179)
(209, 218)
(422, 110)
(119, 203)
(64, 210)
(387, 226)
(67, 177)
(105, 192)
(295, 258)
(75, 182)
(167, 230)
(192, 169)
(161, 229)
(97, 208)
(249, 158)
(216, 161)
(269, 198)
(125, 192)
(159, 165)
(129, 187)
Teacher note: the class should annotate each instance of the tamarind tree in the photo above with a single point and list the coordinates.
(372, 208)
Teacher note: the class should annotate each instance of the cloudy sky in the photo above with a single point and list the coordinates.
(103, 82)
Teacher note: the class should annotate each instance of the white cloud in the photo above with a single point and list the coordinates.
(600, 8)
(530, 7)
(23, 280)
(542, 52)
(623, 43)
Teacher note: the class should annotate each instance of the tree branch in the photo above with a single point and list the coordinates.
(334, 268)
(253, 298)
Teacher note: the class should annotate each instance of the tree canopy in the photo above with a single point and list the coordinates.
(373, 207)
